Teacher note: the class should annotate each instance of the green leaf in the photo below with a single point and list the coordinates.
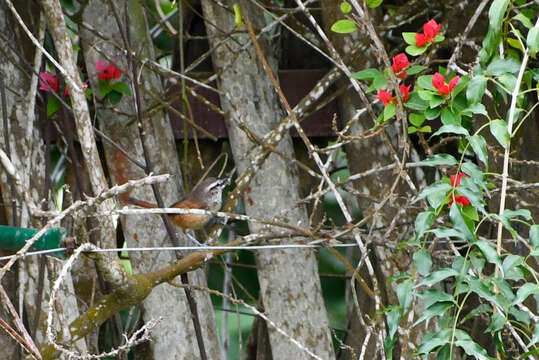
(53, 105)
(534, 236)
(238, 20)
(469, 189)
(103, 88)
(498, 128)
(425, 94)
(515, 44)
(532, 40)
(425, 81)
(444, 353)
(439, 38)
(344, 26)
(470, 212)
(535, 337)
(409, 37)
(498, 322)
(379, 82)
(477, 262)
(449, 118)
(389, 111)
(434, 340)
(471, 348)
(412, 129)
(436, 309)
(425, 129)
(346, 7)
(423, 222)
(414, 50)
(440, 159)
(479, 146)
(435, 101)
(458, 222)
(525, 213)
(415, 69)
(523, 20)
(489, 251)
(476, 88)
(366, 74)
(511, 267)
(121, 87)
(496, 14)
(114, 97)
(423, 261)
(416, 103)
(509, 81)
(437, 276)
(374, 3)
(416, 119)
(481, 288)
(435, 193)
(506, 224)
(451, 129)
(446, 232)
(502, 66)
(405, 294)
(524, 291)
(475, 108)
(432, 296)
(431, 114)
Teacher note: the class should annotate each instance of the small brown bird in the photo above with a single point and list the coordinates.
(206, 196)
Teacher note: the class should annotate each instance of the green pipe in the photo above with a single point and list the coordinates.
(14, 238)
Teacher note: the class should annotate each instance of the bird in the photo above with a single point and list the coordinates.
(207, 195)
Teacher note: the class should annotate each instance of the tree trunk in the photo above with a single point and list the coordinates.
(174, 337)
(27, 153)
(289, 282)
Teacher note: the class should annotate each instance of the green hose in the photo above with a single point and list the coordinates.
(13, 239)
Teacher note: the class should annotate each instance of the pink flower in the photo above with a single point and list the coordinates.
(400, 62)
(462, 200)
(107, 72)
(420, 40)
(48, 79)
(430, 29)
(405, 91)
(438, 81)
(384, 97)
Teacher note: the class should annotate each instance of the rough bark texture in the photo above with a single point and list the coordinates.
(28, 156)
(289, 282)
(106, 233)
(174, 337)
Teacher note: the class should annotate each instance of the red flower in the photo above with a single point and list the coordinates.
(405, 91)
(84, 87)
(107, 72)
(384, 97)
(453, 83)
(430, 29)
(48, 79)
(420, 40)
(462, 200)
(400, 62)
(455, 179)
(439, 83)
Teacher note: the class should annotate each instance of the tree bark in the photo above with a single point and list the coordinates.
(290, 287)
(174, 337)
(27, 153)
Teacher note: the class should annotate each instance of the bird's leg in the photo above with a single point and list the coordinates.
(194, 240)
